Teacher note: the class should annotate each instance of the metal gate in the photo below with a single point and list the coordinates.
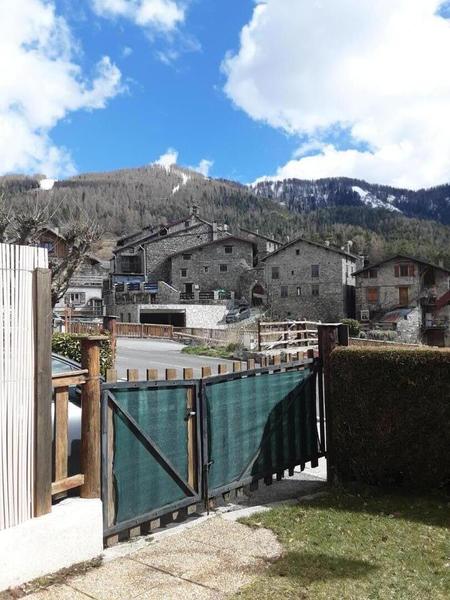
(171, 444)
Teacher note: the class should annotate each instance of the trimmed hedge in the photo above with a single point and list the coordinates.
(68, 345)
(390, 416)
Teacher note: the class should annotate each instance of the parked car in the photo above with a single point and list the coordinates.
(239, 313)
(61, 364)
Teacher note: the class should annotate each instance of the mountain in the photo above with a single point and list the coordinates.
(304, 196)
(380, 220)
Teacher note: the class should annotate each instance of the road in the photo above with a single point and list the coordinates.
(161, 355)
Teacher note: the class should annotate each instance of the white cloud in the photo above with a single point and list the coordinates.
(164, 15)
(378, 70)
(167, 159)
(203, 167)
(40, 84)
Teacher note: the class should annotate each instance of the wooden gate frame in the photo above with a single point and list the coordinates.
(194, 446)
(311, 363)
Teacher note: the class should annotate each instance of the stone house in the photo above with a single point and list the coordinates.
(215, 265)
(312, 281)
(146, 254)
(264, 245)
(415, 290)
(84, 295)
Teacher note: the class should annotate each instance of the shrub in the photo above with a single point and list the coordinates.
(68, 345)
(353, 327)
(390, 416)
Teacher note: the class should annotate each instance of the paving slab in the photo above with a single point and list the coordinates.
(58, 592)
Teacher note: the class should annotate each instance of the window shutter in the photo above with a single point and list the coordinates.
(397, 270)
(412, 270)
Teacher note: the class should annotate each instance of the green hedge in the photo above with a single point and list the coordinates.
(390, 416)
(68, 345)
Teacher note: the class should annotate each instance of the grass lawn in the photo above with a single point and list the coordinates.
(207, 351)
(354, 546)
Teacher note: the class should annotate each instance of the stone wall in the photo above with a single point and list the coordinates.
(296, 279)
(203, 268)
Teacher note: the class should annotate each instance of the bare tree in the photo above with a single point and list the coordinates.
(24, 226)
(80, 236)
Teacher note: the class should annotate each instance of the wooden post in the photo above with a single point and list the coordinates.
(111, 377)
(330, 337)
(191, 429)
(90, 417)
(259, 336)
(110, 325)
(206, 372)
(43, 393)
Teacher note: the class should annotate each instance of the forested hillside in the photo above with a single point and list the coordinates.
(336, 209)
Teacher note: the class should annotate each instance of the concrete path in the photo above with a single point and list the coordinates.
(159, 354)
(208, 557)
(209, 561)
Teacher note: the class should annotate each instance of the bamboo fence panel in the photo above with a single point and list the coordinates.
(17, 380)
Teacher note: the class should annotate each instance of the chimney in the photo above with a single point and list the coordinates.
(194, 209)
(348, 246)
(441, 262)
(214, 231)
(327, 243)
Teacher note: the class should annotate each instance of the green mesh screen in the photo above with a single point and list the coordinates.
(260, 425)
(142, 484)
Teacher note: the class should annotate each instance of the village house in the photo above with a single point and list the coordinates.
(84, 297)
(163, 274)
(216, 265)
(408, 295)
(308, 280)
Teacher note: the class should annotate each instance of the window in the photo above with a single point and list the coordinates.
(299, 291)
(315, 289)
(373, 273)
(130, 264)
(315, 270)
(75, 298)
(405, 270)
(292, 272)
(284, 291)
(205, 269)
(223, 268)
(403, 296)
(187, 256)
(183, 272)
(275, 272)
(228, 249)
(372, 294)
(297, 252)
(163, 231)
(50, 246)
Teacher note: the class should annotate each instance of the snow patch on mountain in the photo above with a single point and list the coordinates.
(370, 200)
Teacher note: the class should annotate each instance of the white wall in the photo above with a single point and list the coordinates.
(72, 533)
(208, 316)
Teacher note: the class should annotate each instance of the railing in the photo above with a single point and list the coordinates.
(143, 330)
(88, 378)
(84, 327)
(61, 383)
(283, 335)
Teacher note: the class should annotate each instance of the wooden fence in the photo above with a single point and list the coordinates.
(23, 311)
(88, 379)
(287, 335)
(141, 330)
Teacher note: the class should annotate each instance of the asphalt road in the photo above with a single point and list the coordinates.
(161, 355)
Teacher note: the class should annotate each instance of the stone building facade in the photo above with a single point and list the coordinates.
(307, 280)
(213, 266)
(264, 245)
(403, 282)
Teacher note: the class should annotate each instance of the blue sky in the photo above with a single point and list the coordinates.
(246, 88)
(181, 105)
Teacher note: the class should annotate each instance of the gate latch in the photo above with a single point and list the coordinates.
(189, 414)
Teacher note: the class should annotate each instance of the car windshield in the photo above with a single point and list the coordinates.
(61, 365)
